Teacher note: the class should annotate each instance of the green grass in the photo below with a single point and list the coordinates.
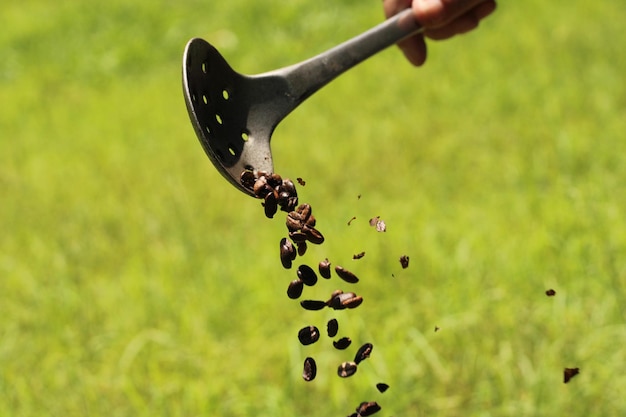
(134, 281)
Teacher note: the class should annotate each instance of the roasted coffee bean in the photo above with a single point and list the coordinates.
(311, 222)
(302, 247)
(297, 237)
(307, 275)
(248, 179)
(261, 188)
(358, 255)
(569, 373)
(287, 253)
(310, 369)
(313, 235)
(355, 414)
(346, 275)
(341, 300)
(295, 289)
(324, 268)
(363, 353)
(312, 304)
(550, 293)
(301, 181)
(304, 210)
(346, 369)
(353, 302)
(274, 180)
(293, 222)
(342, 343)
(287, 196)
(382, 387)
(308, 335)
(404, 261)
(270, 205)
(332, 327)
(368, 408)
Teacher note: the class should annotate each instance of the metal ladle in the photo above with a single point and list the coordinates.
(234, 115)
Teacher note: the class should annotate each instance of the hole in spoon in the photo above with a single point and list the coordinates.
(204, 67)
(205, 99)
(219, 119)
(245, 136)
(226, 94)
(232, 150)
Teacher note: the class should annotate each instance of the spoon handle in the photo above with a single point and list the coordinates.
(306, 77)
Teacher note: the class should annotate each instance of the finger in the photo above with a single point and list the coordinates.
(414, 49)
(438, 13)
(464, 23)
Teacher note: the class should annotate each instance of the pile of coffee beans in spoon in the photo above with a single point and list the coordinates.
(278, 193)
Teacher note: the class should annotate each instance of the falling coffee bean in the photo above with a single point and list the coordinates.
(310, 369)
(569, 373)
(270, 205)
(324, 268)
(346, 369)
(353, 302)
(312, 304)
(382, 387)
(295, 289)
(307, 275)
(368, 408)
(287, 253)
(312, 234)
(346, 275)
(404, 261)
(302, 247)
(342, 343)
(248, 179)
(358, 255)
(363, 353)
(550, 293)
(308, 335)
(301, 181)
(332, 327)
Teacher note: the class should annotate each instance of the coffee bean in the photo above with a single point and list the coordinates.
(311, 222)
(293, 222)
(301, 181)
(305, 211)
(368, 408)
(312, 304)
(270, 205)
(332, 327)
(324, 268)
(404, 261)
(569, 373)
(287, 253)
(310, 369)
(274, 180)
(295, 289)
(248, 179)
(342, 343)
(313, 235)
(261, 187)
(382, 387)
(363, 353)
(353, 302)
(346, 369)
(297, 237)
(287, 196)
(340, 300)
(358, 255)
(307, 275)
(302, 247)
(308, 335)
(346, 275)
(550, 293)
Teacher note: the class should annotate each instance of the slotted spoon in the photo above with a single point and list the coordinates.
(234, 115)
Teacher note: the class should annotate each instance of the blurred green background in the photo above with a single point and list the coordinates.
(135, 281)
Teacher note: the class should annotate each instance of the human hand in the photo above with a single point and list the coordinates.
(441, 19)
